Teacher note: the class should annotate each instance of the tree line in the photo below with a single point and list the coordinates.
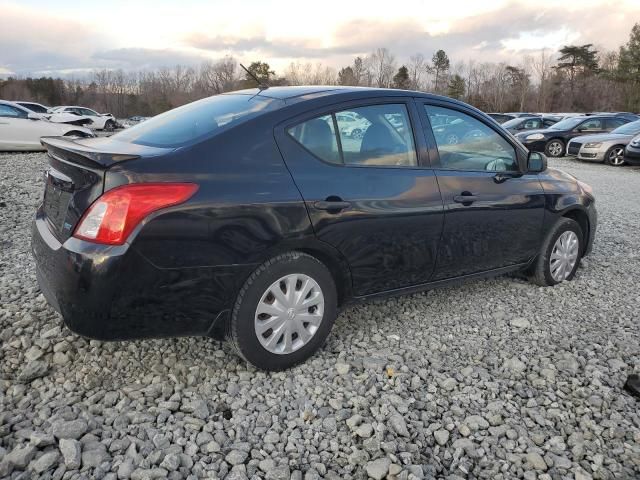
(577, 78)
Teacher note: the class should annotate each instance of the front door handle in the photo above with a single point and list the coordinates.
(465, 198)
(332, 205)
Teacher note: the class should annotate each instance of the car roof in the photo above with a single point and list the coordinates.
(299, 94)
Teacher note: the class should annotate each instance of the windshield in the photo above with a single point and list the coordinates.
(184, 124)
(512, 123)
(567, 123)
(628, 129)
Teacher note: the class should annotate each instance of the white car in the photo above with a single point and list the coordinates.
(99, 121)
(21, 129)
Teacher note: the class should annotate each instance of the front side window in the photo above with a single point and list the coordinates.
(375, 135)
(466, 143)
(86, 111)
(592, 124)
(9, 111)
(533, 123)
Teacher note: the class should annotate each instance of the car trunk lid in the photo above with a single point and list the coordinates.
(75, 178)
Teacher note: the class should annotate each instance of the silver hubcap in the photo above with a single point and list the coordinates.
(555, 149)
(452, 139)
(564, 255)
(616, 157)
(289, 313)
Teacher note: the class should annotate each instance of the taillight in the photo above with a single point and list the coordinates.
(112, 217)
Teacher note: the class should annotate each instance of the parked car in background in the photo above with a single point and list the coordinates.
(21, 129)
(56, 117)
(32, 106)
(521, 124)
(353, 125)
(632, 117)
(632, 152)
(505, 117)
(604, 147)
(553, 140)
(99, 121)
(252, 213)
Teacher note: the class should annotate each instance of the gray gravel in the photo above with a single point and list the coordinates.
(494, 379)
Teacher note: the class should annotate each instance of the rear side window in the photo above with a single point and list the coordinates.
(196, 120)
(465, 143)
(375, 135)
(614, 123)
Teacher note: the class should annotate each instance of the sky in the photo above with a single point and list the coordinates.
(69, 38)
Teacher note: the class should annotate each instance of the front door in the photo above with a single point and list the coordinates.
(493, 211)
(369, 190)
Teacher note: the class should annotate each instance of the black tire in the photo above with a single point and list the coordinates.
(550, 151)
(612, 161)
(109, 126)
(242, 330)
(540, 271)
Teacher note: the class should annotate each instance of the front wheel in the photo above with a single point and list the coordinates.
(284, 312)
(559, 254)
(109, 126)
(615, 156)
(554, 148)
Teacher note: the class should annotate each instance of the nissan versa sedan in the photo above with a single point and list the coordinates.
(553, 140)
(604, 147)
(252, 216)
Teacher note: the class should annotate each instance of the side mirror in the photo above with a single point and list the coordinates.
(536, 162)
(33, 116)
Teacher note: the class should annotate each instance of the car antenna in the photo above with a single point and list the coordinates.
(261, 85)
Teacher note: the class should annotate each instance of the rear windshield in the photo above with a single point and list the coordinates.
(185, 124)
(567, 123)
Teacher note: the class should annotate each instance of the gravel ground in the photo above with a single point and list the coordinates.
(493, 379)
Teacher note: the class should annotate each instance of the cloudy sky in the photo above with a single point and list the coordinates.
(72, 37)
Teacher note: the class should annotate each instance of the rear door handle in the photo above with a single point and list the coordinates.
(465, 199)
(336, 205)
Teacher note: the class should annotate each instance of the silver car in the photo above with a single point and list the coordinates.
(604, 147)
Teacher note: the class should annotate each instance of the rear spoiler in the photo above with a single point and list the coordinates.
(70, 149)
(100, 152)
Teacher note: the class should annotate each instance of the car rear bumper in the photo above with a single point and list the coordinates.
(115, 293)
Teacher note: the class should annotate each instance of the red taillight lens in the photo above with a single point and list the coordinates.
(112, 217)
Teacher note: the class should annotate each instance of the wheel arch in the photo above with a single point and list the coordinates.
(579, 216)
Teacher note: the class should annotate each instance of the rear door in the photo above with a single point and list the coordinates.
(493, 211)
(369, 189)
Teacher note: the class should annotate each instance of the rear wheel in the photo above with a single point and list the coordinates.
(615, 156)
(559, 254)
(554, 148)
(284, 312)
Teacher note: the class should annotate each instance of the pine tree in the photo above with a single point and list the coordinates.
(440, 67)
(401, 79)
(456, 87)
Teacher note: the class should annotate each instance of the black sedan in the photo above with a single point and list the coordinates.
(632, 152)
(251, 216)
(553, 140)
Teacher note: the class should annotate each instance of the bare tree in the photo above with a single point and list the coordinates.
(382, 65)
